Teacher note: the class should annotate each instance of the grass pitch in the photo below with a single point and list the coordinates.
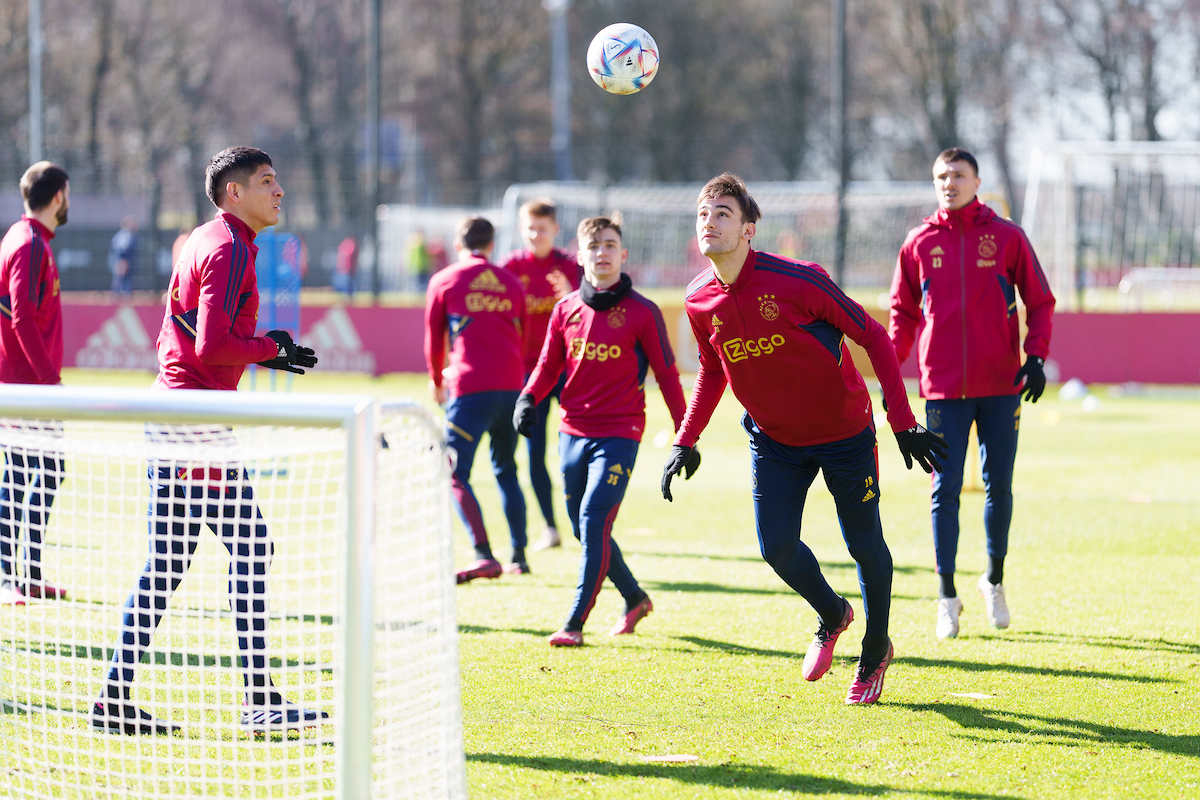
(1091, 693)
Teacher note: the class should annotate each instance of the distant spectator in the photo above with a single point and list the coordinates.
(346, 266)
(177, 245)
(439, 259)
(120, 257)
(416, 257)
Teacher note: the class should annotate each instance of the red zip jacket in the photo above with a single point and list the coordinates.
(969, 259)
(207, 336)
(534, 274)
(606, 354)
(777, 337)
(31, 338)
(482, 307)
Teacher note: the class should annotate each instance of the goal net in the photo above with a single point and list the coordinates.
(296, 550)
(1116, 225)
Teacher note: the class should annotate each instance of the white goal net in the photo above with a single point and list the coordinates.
(259, 597)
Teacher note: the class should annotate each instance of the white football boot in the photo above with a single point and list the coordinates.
(948, 609)
(993, 602)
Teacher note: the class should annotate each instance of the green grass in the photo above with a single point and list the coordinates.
(1091, 692)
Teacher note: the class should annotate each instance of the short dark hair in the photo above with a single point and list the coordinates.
(41, 182)
(542, 207)
(958, 154)
(235, 164)
(729, 185)
(589, 229)
(474, 233)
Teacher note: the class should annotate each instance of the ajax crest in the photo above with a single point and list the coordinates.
(768, 307)
(987, 246)
(616, 318)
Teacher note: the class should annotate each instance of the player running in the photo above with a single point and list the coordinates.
(31, 351)
(547, 273)
(481, 308)
(774, 329)
(605, 335)
(206, 341)
(960, 271)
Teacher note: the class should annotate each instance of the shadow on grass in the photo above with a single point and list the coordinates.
(158, 657)
(982, 666)
(737, 649)
(714, 588)
(524, 631)
(733, 776)
(1073, 732)
(1113, 642)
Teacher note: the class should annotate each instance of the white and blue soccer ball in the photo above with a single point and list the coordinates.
(623, 58)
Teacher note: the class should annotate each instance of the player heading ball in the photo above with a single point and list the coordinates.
(775, 330)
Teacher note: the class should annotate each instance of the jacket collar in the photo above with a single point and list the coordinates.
(743, 278)
(238, 226)
(972, 215)
(45, 232)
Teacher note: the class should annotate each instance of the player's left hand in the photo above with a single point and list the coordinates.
(682, 459)
(927, 448)
(1035, 378)
(289, 356)
(525, 415)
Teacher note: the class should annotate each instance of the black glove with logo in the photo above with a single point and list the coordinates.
(290, 356)
(525, 415)
(927, 448)
(1035, 378)
(682, 459)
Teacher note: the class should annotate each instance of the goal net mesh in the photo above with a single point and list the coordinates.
(251, 523)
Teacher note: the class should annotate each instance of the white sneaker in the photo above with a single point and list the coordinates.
(550, 538)
(947, 617)
(993, 602)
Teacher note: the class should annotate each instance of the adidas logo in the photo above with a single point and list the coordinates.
(337, 344)
(487, 281)
(716, 320)
(937, 251)
(617, 469)
(869, 495)
(121, 343)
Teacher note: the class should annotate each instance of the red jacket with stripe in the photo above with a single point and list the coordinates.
(31, 328)
(777, 337)
(606, 355)
(207, 336)
(534, 274)
(959, 273)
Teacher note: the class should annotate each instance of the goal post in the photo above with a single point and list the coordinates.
(322, 522)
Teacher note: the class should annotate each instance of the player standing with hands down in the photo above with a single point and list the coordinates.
(961, 271)
(547, 273)
(774, 329)
(606, 336)
(482, 308)
(31, 351)
(206, 341)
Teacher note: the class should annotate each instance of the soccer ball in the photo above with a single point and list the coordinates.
(623, 58)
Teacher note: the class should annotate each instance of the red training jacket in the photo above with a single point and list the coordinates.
(606, 354)
(482, 307)
(969, 259)
(31, 337)
(777, 337)
(207, 336)
(534, 274)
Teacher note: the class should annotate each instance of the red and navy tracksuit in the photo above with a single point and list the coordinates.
(534, 274)
(480, 308)
(31, 351)
(606, 352)
(958, 275)
(205, 342)
(777, 337)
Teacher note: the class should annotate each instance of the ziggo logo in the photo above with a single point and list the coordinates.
(594, 352)
(741, 349)
(479, 301)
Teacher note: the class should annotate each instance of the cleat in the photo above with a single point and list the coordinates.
(43, 591)
(10, 596)
(480, 568)
(550, 538)
(819, 657)
(288, 716)
(993, 602)
(631, 617)
(948, 610)
(566, 638)
(517, 568)
(867, 685)
(126, 718)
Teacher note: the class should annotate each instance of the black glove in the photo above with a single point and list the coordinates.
(883, 399)
(928, 449)
(290, 355)
(525, 415)
(1035, 378)
(682, 459)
